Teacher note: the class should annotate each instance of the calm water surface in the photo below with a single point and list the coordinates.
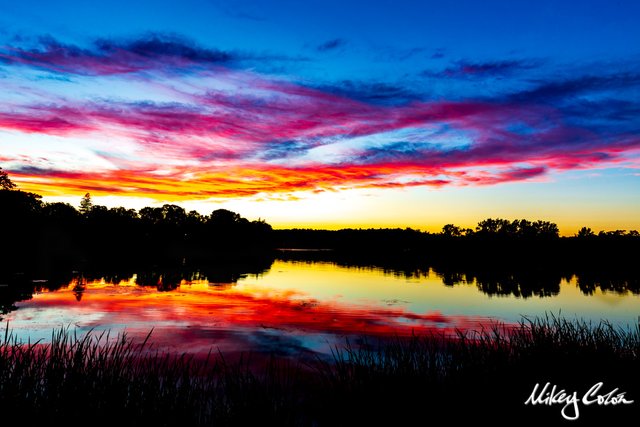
(301, 307)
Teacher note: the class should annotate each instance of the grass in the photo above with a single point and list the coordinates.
(97, 379)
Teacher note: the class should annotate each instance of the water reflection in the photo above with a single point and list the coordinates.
(198, 314)
(498, 279)
(504, 283)
(590, 283)
(287, 306)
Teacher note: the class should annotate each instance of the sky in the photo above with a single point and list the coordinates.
(329, 114)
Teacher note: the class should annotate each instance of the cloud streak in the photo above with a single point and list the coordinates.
(227, 132)
(476, 70)
(332, 44)
(109, 57)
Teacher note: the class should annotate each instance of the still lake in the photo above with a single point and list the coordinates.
(295, 307)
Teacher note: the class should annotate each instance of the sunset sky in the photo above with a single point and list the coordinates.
(329, 114)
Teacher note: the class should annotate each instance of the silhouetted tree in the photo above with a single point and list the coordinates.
(614, 233)
(173, 215)
(194, 219)
(20, 205)
(261, 225)
(98, 212)
(585, 232)
(20, 226)
(86, 204)
(546, 229)
(151, 216)
(492, 226)
(167, 215)
(224, 217)
(5, 181)
(524, 228)
(60, 213)
(451, 230)
(124, 213)
(517, 228)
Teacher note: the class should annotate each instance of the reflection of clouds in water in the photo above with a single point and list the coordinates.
(268, 300)
(281, 344)
(198, 317)
(202, 340)
(36, 323)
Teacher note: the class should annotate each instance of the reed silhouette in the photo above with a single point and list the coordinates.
(479, 377)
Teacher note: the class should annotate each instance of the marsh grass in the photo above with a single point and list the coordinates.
(99, 379)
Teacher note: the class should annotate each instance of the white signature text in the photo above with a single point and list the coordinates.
(550, 395)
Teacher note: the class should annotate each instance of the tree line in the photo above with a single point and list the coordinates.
(62, 233)
(34, 231)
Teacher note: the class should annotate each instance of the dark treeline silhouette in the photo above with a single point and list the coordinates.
(520, 258)
(502, 257)
(43, 236)
(495, 243)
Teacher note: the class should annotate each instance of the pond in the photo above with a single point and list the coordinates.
(304, 307)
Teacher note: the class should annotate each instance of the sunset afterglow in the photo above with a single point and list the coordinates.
(326, 129)
(319, 213)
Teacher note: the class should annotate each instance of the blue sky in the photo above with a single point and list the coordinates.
(331, 102)
(373, 36)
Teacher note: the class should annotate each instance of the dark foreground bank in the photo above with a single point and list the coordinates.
(478, 377)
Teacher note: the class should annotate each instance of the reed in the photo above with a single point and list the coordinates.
(101, 379)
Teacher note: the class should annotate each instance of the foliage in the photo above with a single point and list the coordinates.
(86, 204)
(517, 228)
(585, 232)
(5, 181)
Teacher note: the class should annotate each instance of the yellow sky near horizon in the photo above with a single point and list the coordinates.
(418, 208)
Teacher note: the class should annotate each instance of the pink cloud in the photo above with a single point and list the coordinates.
(263, 134)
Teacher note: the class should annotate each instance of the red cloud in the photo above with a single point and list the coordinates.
(261, 136)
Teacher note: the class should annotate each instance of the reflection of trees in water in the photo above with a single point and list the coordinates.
(402, 268)
(589, 282)
(10, 295)
(408, 273)
(452, 278)
(521, 284)
(527, 283)
(78, 289)
(521, 281)
(165, 280)
(21, 287)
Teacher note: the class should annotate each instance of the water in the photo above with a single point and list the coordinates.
(295, 307)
